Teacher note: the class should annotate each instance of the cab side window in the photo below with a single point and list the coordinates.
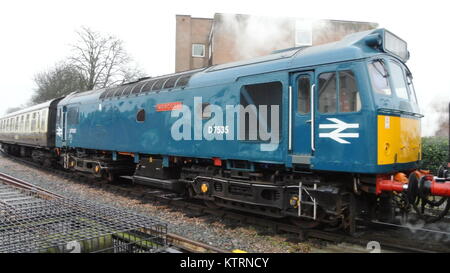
(349, 100)
(327, 92)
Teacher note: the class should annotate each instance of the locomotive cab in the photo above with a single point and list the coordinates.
(364, 110)
(398, 114)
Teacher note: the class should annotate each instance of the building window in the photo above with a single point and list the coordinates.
(303, 33)
(198, 50)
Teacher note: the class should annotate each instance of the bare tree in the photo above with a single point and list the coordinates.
(57, 82)
(102, 60)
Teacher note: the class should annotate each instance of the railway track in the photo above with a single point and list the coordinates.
(17, 196)
(389, 238)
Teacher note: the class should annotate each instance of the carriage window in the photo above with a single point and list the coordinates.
(38, 120)
(33, 122)
(304, 91)
(327, 92)
(398, 80)
(27, 123)
(379, 78)
(43, 119)
(349, 100)
(140, 116)
(16, 127)
(72, 116)
(22, 120)
(253, 98)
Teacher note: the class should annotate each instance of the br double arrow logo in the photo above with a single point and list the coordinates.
(337, 134)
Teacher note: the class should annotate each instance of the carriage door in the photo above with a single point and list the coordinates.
(302, 142)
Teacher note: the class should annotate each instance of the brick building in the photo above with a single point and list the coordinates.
(202, 42)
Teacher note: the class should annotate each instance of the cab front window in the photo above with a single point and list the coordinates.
(411, 88)
(379, 77)
(398, 81)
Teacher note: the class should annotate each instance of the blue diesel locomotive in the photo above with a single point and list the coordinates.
(318, 134)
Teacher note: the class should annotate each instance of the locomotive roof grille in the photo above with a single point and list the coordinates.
(126, 90)
(171, 82)
(118, 91)
(149, 85)
(182, 81)
(159, 84)
(137, 88)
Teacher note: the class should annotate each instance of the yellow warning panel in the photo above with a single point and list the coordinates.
(398, 139)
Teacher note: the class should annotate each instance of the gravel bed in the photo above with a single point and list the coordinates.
(207, 229)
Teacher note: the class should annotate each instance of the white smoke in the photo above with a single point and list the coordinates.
(255, 35)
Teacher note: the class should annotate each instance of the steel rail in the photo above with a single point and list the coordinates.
(26, 185)
(191, 245)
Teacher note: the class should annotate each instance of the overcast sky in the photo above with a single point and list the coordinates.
(37, 34)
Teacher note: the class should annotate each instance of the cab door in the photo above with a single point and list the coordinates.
(302, 121)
